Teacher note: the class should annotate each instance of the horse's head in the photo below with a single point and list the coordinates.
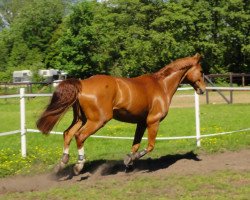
(194, 76)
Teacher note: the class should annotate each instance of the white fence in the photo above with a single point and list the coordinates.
(23, 129)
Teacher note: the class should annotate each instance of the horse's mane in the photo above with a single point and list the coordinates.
(179, 64)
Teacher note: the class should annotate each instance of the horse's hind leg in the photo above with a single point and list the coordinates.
(76, 124)
(68, 135)
(90, 127)
(81, 156)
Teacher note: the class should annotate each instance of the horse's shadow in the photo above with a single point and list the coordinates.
(111, 167)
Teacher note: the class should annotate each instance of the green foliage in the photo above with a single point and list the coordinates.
(142, 36)
(124, 37)
(24, 44)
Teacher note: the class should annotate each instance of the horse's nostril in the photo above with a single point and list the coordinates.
(202, 91)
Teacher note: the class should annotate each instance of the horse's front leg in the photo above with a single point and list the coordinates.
(152, 132)
(130, 158)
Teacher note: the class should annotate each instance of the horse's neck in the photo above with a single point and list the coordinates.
(173, 80)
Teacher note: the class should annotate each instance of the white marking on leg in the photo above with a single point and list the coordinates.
(81, 151)
(66, 150)
(81, 157)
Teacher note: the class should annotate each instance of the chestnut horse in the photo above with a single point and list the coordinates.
(143, 100)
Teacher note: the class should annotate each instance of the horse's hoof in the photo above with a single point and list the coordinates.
(128, 160)
(129, 168)
(78, 168)
(59, 167)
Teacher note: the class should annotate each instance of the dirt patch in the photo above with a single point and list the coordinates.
(188, 163)
(182, 100)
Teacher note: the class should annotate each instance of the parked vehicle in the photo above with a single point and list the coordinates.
(51, 75)
(48, 75)
(22, 76)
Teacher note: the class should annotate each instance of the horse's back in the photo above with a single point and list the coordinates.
(123, 89)
(98, 84)
(102, 86)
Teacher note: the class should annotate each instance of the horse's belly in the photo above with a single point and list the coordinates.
(126, 116)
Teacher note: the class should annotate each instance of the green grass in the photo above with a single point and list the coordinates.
(45, 151)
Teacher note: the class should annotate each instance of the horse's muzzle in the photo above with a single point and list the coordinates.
(200, 91)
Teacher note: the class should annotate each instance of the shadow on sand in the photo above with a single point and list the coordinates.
(111, 167)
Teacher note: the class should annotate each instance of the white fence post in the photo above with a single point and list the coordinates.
(197, 119)
(23, 122)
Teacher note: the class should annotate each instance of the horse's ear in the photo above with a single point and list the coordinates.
(198, 57)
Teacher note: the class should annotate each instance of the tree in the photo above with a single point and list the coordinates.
(125, 37)
(26, 41)
(79, 50)
(235, 35)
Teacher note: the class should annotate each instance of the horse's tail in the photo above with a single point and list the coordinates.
(65, 95)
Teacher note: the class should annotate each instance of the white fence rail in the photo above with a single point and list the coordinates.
(229, 88)
(23, 129)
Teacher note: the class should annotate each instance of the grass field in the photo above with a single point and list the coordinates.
(44, 151)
